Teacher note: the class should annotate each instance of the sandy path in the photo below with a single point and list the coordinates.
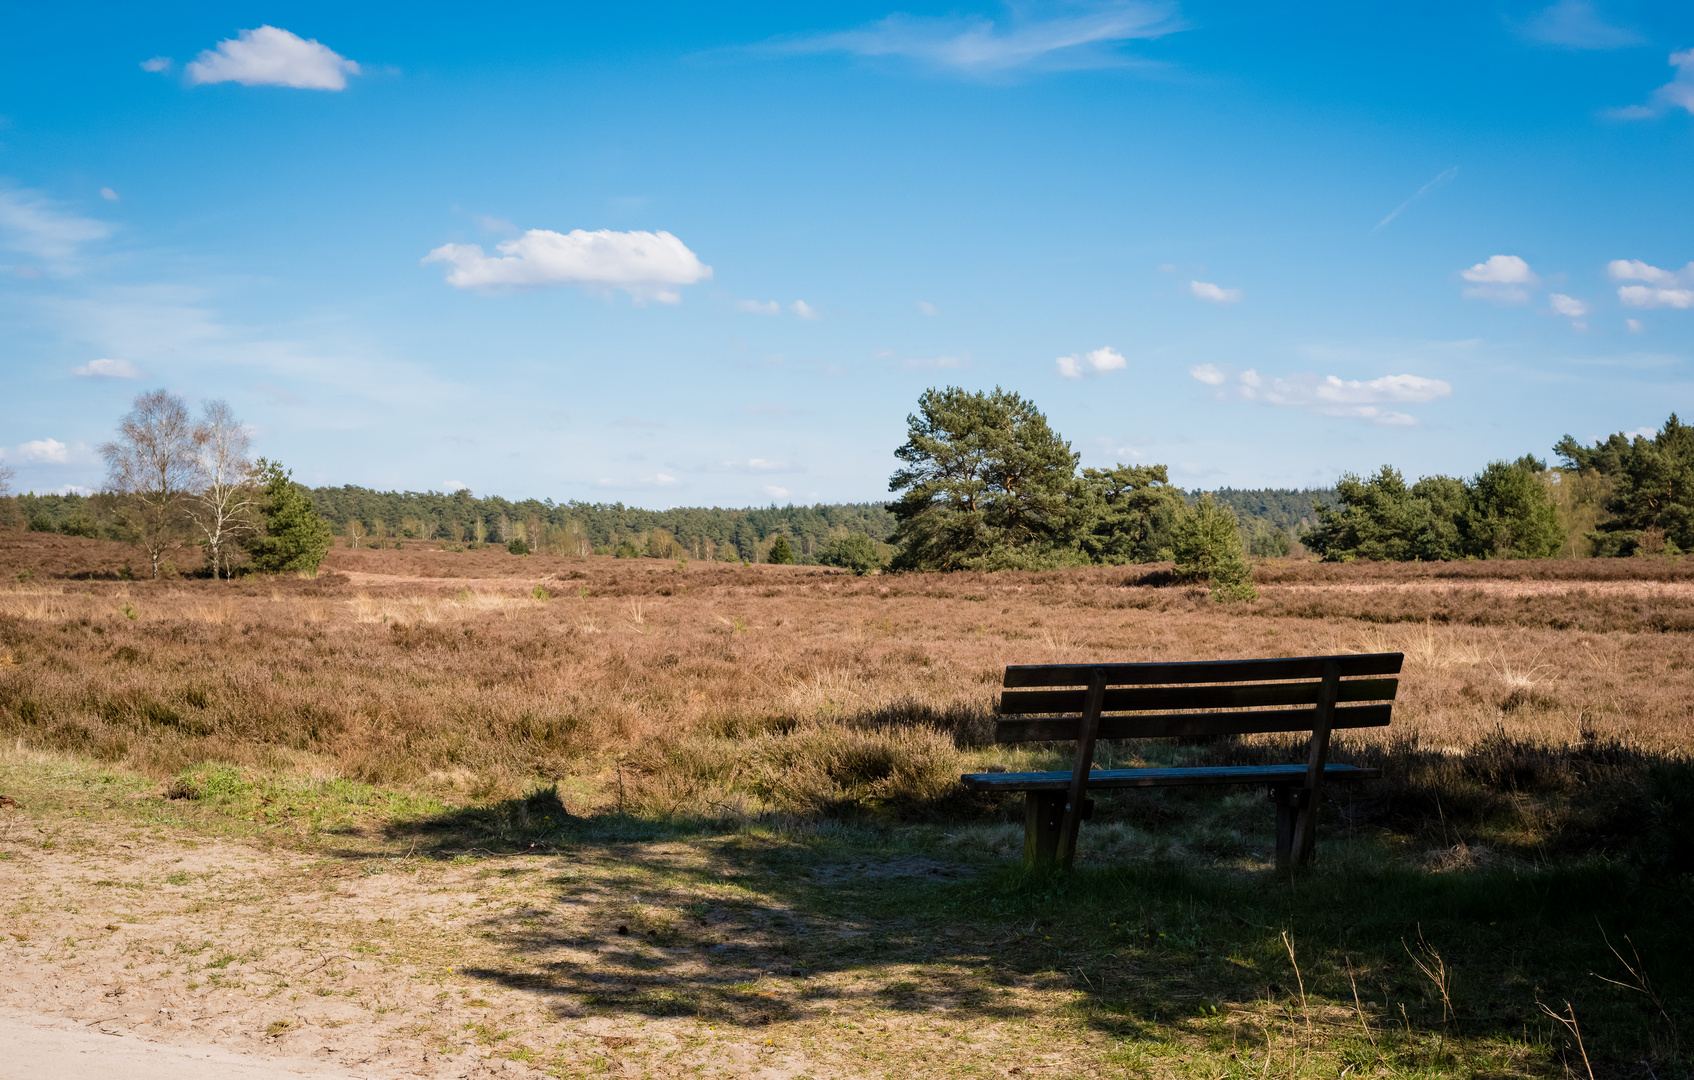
(38, 1047)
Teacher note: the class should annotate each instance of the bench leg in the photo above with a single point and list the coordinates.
(1289, 807)
(1043, 822)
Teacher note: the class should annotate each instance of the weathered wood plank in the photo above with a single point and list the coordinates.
(1203, 671)
(1124, 778)
(1189, 725)
(1172, 698)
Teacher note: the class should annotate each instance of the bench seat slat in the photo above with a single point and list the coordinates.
(1189, 725)
(1123, 778)
(1203, 671)
(1172, 698)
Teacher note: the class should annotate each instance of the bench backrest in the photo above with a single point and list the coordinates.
(1047, 702)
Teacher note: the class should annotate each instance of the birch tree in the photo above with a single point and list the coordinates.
(224, 504)
(152, 466)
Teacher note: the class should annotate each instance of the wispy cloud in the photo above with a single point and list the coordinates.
(1214, 294)
(1503, 279)
(1327, 395)
(1575, 24)
(758, 307)
(1094, 362)
(1677, 94)
(1441, 178)
(1083, 37)
(755, 466)
(805, 311)
(938, 363)
(270, 56)
(927, 308)
(104, 368)
(36, 225)
(646, 265)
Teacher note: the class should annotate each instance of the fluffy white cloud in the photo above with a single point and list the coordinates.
(1096, 362)
(1205, 290)
(1078, 39)
(271, 56)
(157, 63)
(1504, 279)
(776, 492)
(1328, 395)
(31, 223)
(804, 310)
(1567, 305)
(1664, 288)
(1634, 325)
(758, 307)
(108, 194)
(455, 485)
(927, 308)
(107, 369)
(755, 466)
(1575, 24)
(45, 452)
(643, 264)
(1680, 90)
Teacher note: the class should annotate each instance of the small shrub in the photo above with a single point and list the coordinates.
(518, 546)
(627, 550)
(857, 553)
(781, 552)
(539, 593)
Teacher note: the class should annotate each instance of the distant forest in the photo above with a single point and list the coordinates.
(366, 516)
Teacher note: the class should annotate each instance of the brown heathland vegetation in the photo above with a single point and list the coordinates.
(659, 797)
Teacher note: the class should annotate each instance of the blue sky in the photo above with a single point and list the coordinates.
(672, 256)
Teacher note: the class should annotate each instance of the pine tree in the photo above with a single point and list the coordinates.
(1207, 543)
(781, 552)
(295, 539)
(988, 485)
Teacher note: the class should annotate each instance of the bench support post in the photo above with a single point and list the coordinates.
(1043, 817)
(1287, 798)
(1306, 816)
(1078, 793)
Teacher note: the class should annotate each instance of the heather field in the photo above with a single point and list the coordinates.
(452, 812)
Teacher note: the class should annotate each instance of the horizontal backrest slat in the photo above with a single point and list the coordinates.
(1171, 698)
(1188, 725)
(1203, 671)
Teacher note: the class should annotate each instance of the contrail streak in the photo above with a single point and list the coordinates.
(1444, 177)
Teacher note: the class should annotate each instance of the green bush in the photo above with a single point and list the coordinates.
(626, 550)
(781, 552)
(857, 553)
(517, 546)
(1207, 542)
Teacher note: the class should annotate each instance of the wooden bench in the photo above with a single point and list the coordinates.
(1089, 702)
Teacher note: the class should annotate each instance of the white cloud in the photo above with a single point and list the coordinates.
(1664, 288)
(979, 46)
(45, 452)
(108, 194)
(1504, 279)
(158, 63)
(1441, 178)
(1646, 296)
(758, 307)
(1680, 90)
(1096, 362)
(927, 308)
(75, 489)
(642, 264)
(1575, 24)
(1642, 433)
(657, 480)
(1328, 395)
(31, 223)
(804, 311)
(454, 485)
(776, 492)
(1634, 325)
(271, 56)
(107, 369)
(1205, 290)
(1567, 305)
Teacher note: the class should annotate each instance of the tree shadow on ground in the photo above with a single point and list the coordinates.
(751, 926)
